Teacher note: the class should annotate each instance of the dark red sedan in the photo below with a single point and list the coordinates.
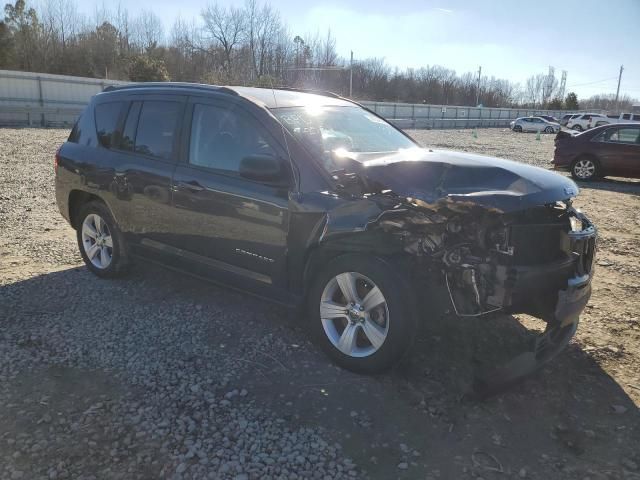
(606, 150)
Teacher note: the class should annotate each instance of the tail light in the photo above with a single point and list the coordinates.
(56, 160)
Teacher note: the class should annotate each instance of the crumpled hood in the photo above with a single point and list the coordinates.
(436, 176)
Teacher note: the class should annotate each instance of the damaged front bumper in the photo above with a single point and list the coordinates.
(562, 320)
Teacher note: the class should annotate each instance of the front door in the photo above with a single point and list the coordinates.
(619, 150)
(226, 221)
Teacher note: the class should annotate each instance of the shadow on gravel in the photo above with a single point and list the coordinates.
(619, 185)
(570, 420)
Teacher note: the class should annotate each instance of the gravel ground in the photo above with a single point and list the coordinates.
(161, 376)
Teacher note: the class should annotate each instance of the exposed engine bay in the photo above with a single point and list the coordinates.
(483, 255)
(497, 250)
(492, 256)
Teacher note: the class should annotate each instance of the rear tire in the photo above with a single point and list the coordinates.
(585, 169)
(369, 328)
(100, 241)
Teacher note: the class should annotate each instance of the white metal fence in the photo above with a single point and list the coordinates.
(408, 115)
(39, 99)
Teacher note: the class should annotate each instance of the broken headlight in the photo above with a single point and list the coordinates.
(576, 223)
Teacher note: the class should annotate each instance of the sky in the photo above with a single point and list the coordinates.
(590, 39)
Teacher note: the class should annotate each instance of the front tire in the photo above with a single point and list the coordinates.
(585, 169)
(362, 315)
(577, 128)
(101, 243)
(517, 129)
(548, 130)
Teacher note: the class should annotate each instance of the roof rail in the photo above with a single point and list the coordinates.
(200, 86)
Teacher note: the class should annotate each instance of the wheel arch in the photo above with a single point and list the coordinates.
(78, 198)
(319, 256)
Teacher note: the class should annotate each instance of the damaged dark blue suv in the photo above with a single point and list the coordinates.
(311, 200)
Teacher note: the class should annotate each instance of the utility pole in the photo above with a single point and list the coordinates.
(351, 76)
(619, 79)
(478, 87)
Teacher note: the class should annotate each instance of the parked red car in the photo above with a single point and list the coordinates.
(601, 151)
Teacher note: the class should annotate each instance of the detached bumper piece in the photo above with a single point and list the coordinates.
(562, 323)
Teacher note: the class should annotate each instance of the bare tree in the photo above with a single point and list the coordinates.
(248, 45)
(534, 89)
(124, 29)
(262, 29)
(226, 28)
(328, 55)
(149, 32)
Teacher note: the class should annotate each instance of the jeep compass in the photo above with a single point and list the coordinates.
(315, 202)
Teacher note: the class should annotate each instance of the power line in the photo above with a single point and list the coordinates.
(592, 83)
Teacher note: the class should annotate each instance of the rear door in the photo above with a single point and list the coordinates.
(142, 162)
(228, 222)
(538, 124)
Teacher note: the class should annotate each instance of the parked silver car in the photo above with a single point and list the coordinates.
(534, 124)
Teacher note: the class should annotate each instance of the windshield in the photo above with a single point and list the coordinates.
(333, 132)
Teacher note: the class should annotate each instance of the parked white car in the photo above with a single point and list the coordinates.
(534, 124)
(585, 121)
(622, 118)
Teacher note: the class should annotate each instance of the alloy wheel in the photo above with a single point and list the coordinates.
(97, 241)
(354, 314)
(584, 169)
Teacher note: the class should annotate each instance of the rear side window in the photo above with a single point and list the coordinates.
(157, 124)
(621, 135)
(636, 118)
(626, 116)
(628, 135)
(221, 138)
(107, 116)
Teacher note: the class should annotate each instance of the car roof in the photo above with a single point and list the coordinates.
(612, 126)
(279, 97)
(266, 97)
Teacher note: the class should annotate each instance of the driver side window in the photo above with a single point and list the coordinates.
(221, 138)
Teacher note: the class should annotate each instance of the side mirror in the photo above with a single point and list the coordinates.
(263, 168)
